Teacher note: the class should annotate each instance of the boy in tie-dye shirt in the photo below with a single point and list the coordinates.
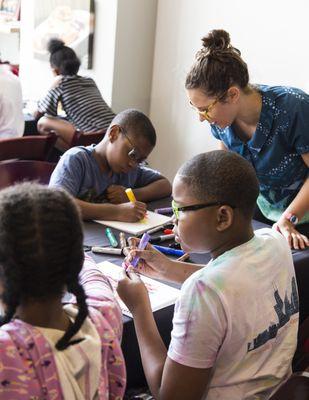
(235, 322)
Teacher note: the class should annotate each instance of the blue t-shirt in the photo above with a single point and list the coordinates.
(281, 136)
(79, 173)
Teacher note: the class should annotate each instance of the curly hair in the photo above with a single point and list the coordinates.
(41, 252)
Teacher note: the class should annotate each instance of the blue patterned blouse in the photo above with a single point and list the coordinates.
(281, 137)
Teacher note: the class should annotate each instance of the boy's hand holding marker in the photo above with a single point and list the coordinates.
(131, 212)
(132, 199)
(151, 262)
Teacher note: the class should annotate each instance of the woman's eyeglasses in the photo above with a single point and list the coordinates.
(206, 113)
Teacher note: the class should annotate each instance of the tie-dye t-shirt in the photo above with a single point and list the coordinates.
(281, 137)
(239, 316)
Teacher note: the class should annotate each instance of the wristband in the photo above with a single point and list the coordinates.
(291, 217)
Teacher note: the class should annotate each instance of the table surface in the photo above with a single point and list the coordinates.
(94, 236)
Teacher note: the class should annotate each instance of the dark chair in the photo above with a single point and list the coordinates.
(27, 147)
(87, 138)
(295, 388)
(17, 171)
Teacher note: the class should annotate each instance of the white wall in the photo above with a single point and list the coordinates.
(9, 47)
(36, 75)
(273, 39)
(134, 50)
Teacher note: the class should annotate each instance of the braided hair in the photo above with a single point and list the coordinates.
(41, 252)
(218, 66)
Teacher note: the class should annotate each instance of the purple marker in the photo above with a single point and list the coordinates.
(142, 244)
(165, 210)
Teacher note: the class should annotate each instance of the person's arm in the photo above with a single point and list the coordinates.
(126, 212)
(299, 206)
(100, 294)
(150, 185)
(154, 264)
(167, 379)
(49, 104)
(155, 190)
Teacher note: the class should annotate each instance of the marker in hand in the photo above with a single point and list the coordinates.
(142, 244)
(131, 197)
(130, 194)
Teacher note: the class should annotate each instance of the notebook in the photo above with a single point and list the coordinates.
(160, 294)
(136, 228)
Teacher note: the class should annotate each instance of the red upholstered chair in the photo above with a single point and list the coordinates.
(295, 388)
(27, 147)
(17, 171)
(87, 138)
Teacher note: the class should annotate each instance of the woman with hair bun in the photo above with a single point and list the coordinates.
(79, 96)
(267, 125)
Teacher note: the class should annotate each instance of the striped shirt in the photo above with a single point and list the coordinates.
(82, 102)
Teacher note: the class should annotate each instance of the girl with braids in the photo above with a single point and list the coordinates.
(49, 350)
(266, 125)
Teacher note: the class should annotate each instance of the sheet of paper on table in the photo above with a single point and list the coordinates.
(160, 294)
(152, 220)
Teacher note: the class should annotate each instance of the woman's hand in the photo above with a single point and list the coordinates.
(152, 263)
(132, 291)
(295, 239)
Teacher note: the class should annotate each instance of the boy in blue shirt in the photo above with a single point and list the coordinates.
(97, 176)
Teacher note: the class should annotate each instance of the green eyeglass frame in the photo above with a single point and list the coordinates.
(194, 207)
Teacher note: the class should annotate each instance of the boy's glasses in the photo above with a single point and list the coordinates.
(194, 207)
(133, 154)
(206, 113)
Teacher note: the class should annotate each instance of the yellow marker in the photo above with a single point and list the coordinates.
(131, 197)
(130, 194)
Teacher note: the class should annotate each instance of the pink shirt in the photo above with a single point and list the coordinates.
(27, 360)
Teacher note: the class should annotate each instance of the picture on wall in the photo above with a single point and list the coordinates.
(69, 20)
(9, 10)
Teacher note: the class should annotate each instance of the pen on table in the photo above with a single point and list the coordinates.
(164, 210)
(184, 257)
(107, 250)
(142, 244)
(122, 240)
(168, 251)
(111, 238)
(161, 238)
(158, 228)
(131, 197)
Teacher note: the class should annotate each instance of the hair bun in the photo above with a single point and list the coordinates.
(216, 40)
(55, 45)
